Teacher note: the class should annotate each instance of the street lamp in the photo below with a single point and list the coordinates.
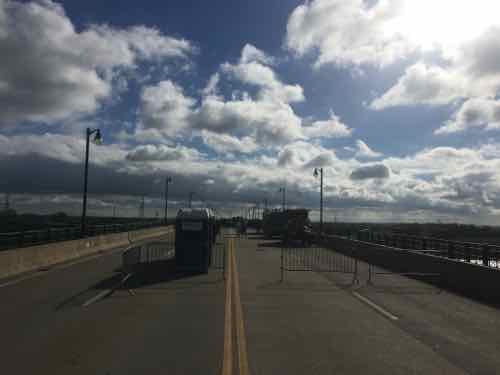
(168, 181)
(320, 172)
(283, 203)
(97, 140)
(191, 193)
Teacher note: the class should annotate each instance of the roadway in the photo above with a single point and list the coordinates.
(65, 320)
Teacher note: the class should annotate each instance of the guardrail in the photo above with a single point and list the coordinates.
(469, 252)
(20, 239)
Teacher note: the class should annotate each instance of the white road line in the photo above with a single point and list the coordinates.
(374, 306)
(98, 297)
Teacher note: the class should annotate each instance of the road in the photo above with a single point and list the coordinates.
(67, 321)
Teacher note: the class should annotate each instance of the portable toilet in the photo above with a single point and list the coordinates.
(194, 238)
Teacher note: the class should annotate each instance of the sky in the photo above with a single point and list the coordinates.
(397, 100)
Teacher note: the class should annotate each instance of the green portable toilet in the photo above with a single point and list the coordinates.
(194, 232)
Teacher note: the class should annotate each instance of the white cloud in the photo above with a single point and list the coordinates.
(51, 72)
(165, 107)
(363, 151)
(474, 113)
(59, 147)
(346, 32)
(266, 117)
(226, 144)
(422, 84)
(146, 153)
(305, 155)
(332, 128)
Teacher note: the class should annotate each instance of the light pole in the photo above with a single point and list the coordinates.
(191, 193)
(168, 180)
(320, 170)
(97, 140)
(283, 203)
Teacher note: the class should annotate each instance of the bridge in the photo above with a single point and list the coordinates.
(261, 309)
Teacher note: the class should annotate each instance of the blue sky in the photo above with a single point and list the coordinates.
(404, 118)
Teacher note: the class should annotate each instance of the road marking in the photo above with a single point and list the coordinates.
(98, 297)
(374, 306)
(107, 292)
(227, 364)
(240, 325)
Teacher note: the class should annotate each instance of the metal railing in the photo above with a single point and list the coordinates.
(14, 240)
(470, 252)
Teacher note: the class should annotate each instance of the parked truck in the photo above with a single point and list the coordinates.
(289, 225)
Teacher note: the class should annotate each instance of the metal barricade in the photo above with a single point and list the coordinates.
(317, 259)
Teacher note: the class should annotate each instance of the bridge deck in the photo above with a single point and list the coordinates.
(57, 322)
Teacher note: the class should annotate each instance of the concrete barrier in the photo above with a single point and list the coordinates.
(16, 261)
(473, 280)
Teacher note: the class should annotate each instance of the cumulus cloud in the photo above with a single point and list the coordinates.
(225, 144)
(332, 128)
(422, 84)
(365, 152)
(474, 113)
(346, 32)
(50, 71)
(470, 73)
(162, 153)
(303, 154)
(370, 172)
(165, 107)
(266, 118)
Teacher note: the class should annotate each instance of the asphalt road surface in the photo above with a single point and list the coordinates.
(81, 318)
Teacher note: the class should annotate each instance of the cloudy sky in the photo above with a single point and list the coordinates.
(398, 101)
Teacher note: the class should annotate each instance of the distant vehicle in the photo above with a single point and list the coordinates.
(195, 234)
(289, 225)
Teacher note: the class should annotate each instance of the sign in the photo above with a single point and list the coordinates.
(192, 225)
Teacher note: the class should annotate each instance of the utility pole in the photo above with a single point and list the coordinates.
(168, 180)
(320, 170)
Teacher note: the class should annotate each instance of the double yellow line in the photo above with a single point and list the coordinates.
(233, 302)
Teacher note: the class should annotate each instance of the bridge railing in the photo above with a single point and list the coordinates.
(470, 252)
(20, 239)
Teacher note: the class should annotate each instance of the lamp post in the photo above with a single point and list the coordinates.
(97, 140)
(320, 172)
(283, 203)
(168, 180)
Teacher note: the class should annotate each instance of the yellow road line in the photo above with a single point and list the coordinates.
(227, 364)
(240, 325)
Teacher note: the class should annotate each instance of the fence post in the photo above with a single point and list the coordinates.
(21, 239)
(282, 264)
(355, 279)
(486, 255)
(369, 281)
(451, 250)
(467, 253)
